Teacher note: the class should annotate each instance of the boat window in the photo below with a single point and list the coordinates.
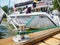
(42, 16)
(23, 16)
(12, 16)
(37, 21)
(52, 14)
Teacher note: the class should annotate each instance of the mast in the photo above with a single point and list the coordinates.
(9, 7)
(14, 8)
(0, 3)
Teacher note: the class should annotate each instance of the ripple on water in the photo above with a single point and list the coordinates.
(4, 32)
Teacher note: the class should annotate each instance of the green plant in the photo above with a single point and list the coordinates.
(1, 35)
(5, 8)
(56, 5)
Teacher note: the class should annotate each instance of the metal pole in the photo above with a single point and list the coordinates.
(48, 8)
(9, 3)
(14, 6)
(9, 7)
(0, 3)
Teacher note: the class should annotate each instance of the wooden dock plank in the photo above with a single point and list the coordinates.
(57, 36)
(8, 41)
(41, 43)
(32, 35)
(52, 41)
(44, 36)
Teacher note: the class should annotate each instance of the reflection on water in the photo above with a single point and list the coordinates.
(3, 31)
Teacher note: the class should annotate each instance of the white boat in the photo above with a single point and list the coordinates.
(35, 19)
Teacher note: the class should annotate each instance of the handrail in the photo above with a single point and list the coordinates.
(9, 18)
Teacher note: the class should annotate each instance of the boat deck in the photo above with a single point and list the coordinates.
(46, 37)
